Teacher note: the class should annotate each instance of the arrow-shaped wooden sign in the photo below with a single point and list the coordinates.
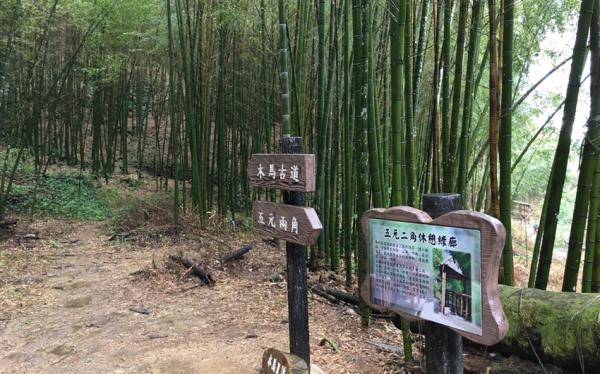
(294, 224)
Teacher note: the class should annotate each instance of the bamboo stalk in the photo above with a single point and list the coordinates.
(505, 147)
(591, 155)
(564, 144)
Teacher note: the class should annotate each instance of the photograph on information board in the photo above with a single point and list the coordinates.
(428, 271)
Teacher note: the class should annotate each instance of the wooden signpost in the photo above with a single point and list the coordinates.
(443, 270)
(294, 173)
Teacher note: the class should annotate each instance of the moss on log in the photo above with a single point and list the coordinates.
(561, 328)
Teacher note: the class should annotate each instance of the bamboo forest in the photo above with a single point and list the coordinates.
(439, 168)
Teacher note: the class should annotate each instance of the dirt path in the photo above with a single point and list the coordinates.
(73, 302)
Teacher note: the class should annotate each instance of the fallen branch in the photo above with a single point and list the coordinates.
(324, 295)
(327, 341)
(60, 359)
(6, 224)
(140, 310)
(392, 348)
(120, 236)
(346, 297)
(184, 290)
(274, 242)
(196, 269)
(335, 296)
(237, 254)
(157, 336)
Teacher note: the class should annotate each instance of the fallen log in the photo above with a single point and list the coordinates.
(562, 328)
(237, 254)
(196, 269)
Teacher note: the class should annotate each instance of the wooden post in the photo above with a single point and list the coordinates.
(296, 273)
(443, 347)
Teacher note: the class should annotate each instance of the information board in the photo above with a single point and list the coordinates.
(443, 270)
(431, 272)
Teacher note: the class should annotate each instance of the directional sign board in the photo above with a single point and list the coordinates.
(294, 224)
(291, 172)
(443, 270)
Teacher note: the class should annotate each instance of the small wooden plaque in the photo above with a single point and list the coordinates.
(278, 362)
(491, 234)
(294, 224)
(291, 172)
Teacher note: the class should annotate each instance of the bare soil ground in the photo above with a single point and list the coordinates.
(72, 301)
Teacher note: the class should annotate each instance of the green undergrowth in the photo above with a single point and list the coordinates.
(66, 195)
(132, 183)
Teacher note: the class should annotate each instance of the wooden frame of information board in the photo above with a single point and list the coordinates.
(492, 236)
